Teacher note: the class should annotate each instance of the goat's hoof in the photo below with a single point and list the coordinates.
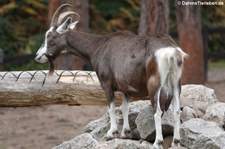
(112, 134)
(126, 134)
(176, 143)
(158, 144)
(116, 134)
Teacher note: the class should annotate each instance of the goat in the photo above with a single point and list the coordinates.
(137, 66)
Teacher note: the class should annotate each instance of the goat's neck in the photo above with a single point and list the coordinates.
(81, 44)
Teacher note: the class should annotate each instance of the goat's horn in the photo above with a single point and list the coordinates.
(65, 14)
(57, 13)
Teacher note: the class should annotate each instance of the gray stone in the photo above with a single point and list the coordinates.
(189, 113)
(216, 113)
(124, 144)
(84, 141)
(95, 123)
(98, 128)
(197, 96)
(177, 148)
(146, 124)
(200, 134)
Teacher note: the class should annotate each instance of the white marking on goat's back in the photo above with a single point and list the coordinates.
(167, 65)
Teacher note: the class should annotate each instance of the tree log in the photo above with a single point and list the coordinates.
(34, 88)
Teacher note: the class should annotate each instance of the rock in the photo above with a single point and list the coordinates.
(99, 128)
(189, 113)
(124, 144)
(177, 148)
(94, 124)
(146, 124)
(216, 113)
(84, 141)
(201, 134)
(197, 96)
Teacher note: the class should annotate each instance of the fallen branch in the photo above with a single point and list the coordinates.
(34, 88)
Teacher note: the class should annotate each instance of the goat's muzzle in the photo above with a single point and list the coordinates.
(41, 58)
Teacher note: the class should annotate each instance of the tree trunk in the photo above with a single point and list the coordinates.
(154, 17)
(82, 8)
(191, 41)
(65, 61)
(52, 6)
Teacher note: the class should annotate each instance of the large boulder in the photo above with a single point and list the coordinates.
(146, 124)
(84, 141)
(124, 144)
(189, 113)
(216, 113)
(197, 96)
(200, 134)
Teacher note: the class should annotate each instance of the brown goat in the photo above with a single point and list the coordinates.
(138, 66)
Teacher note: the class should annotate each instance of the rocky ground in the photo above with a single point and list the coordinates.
(47, 126)
(202, 125)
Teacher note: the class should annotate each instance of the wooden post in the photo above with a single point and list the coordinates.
(33, 88)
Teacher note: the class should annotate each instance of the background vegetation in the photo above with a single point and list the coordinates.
(23, 24)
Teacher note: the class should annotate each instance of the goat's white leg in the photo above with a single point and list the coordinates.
(113, 131)
(126, 132)
(158, 125)
(176, 114)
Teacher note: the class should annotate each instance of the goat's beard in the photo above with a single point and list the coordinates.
(51, 67)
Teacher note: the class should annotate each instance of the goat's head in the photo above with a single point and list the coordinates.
(55, 41)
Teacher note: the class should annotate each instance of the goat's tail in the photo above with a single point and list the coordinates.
(170, 66)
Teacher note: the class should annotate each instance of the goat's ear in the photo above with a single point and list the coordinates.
(64, 26)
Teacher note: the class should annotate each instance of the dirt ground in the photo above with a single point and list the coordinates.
(47, 126)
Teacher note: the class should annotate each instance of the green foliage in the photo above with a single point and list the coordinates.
(114, 15)
(22, 24)
(6, 34)
(20, 21)
(32, 65)
(218, 64)
(216, 42)
(214, 16)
